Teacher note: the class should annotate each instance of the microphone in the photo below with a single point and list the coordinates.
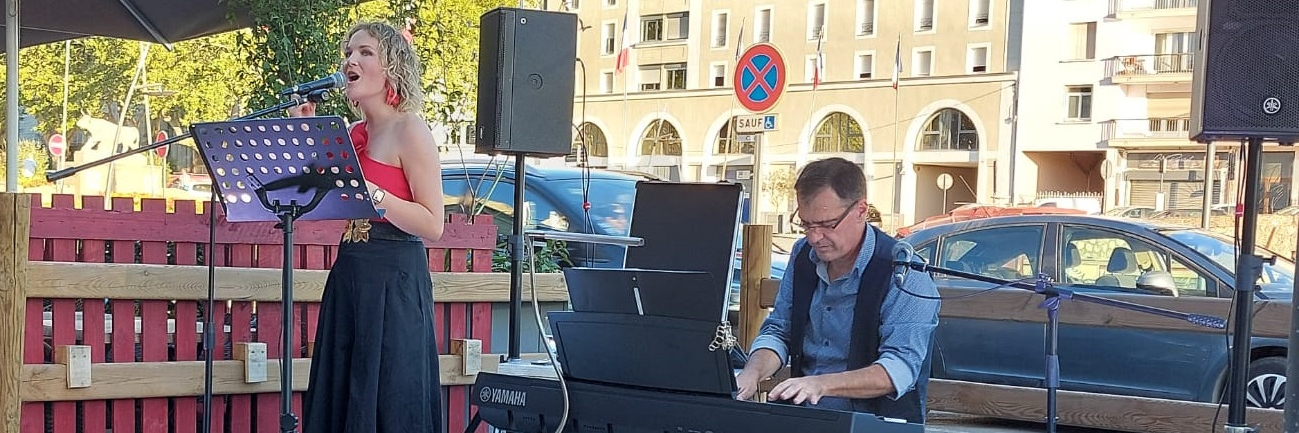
(903, 254)
(333, 80)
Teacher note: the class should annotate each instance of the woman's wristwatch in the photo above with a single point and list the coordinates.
(378, 195)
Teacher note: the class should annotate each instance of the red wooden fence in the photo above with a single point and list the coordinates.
(152, 235)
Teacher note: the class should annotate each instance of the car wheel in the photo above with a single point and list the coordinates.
(1266, 387)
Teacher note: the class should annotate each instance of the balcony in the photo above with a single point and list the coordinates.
(1149, 132)
(866, 28)
(1131, 9)
(1151, 68)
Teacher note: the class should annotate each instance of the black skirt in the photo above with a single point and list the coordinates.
(375, 365)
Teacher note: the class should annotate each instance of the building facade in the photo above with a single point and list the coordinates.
(1015, 101)
(1105, 108)
(669, 111)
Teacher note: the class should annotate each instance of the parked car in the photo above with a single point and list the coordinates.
(555, 203)
(1138, 212)
(555, 197)
(1100, 256)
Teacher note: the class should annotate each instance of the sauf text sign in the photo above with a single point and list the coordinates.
(755, 123)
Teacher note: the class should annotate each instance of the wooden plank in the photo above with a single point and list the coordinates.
(755, 266)
(168, 282)
(1113, 412)
(269, 328)
(96, 411)
(1271, 319)
(33, 415)
(186, 350)
(47, 382)
(153, 225)
(15, 240)
(153, 343)
(63, 322)
(241, 404)
(123, 340)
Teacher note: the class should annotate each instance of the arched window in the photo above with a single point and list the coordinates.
(661, 138)
(838, 132)
(726, 143)
(596, 143)
(949, 129)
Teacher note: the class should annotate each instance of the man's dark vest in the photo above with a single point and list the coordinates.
(876, 282)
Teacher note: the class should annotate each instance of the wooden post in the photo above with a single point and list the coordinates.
(15, 226)
(755, 266)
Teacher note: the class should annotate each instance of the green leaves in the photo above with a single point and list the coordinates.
(228, 75)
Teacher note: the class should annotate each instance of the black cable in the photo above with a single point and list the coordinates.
(584, 163)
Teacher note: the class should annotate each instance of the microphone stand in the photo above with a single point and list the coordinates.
(209, 337)
(1054, 295)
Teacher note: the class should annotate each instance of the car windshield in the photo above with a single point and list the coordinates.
(611, 202)
(1221, 249)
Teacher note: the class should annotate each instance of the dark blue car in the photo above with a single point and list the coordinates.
(1100, 256)
(554, 202)
(555, 197)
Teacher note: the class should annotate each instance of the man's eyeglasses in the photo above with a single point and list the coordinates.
(808, 226)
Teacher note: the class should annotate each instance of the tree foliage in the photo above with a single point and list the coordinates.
(226, 75)
(99, 73)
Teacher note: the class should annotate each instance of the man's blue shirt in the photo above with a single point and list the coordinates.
(907, 323)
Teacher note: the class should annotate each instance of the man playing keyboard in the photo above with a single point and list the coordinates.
(852, 340)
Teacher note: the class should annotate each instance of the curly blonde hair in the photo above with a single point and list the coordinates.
(402, 65)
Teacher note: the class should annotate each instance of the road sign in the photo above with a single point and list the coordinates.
(162, 150)
(944, 181)
(57, 145)
(760, 77)
(755, 123)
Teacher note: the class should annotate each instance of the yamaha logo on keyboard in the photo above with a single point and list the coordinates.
(508, 397)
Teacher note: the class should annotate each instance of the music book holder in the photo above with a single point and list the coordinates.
(300, 168)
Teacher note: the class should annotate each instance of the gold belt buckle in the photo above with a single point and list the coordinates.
(357, 230)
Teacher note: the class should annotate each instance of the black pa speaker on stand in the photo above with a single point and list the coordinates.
(1245, 89)
(526, 68)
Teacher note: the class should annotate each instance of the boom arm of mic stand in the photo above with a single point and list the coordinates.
(1050, 289)
(70, 171)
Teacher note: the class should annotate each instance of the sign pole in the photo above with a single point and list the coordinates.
(755, 196)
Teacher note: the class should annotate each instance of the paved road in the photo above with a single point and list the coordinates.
(941, 422)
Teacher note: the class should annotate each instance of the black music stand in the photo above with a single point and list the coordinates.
(283, 170)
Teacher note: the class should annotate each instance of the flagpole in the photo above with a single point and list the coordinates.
(816, 82)
(897, 164)
(624, 58)
(730, 121)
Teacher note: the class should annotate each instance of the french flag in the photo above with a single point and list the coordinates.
(819, 64)
(624, 55)
(897, 64)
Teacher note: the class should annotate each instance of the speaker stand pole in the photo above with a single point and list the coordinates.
(517, 244)
(1248, 266)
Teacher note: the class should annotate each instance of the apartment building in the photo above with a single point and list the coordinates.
(669, 111)
(1105, 105)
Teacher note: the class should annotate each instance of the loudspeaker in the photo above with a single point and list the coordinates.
(525, 82)
(1245, 71)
